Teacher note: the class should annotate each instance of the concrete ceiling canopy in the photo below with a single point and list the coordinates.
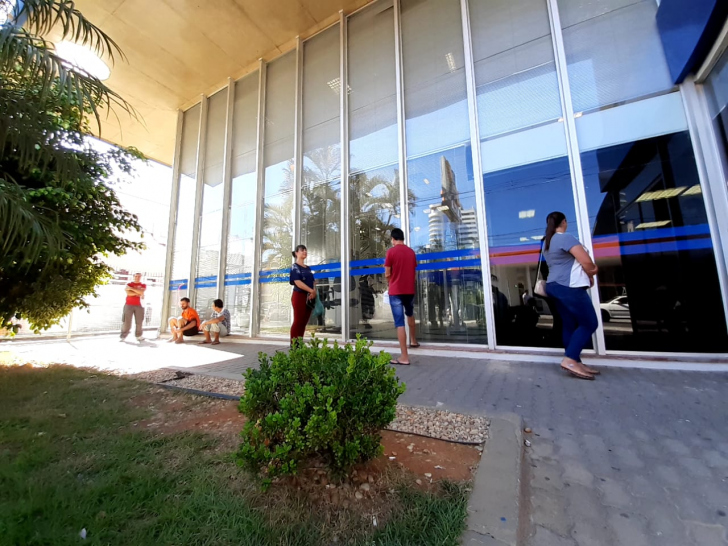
(179, 49)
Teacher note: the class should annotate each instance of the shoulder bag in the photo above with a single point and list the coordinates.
(540, 288)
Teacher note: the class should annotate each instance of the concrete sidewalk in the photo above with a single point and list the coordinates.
(637, 457)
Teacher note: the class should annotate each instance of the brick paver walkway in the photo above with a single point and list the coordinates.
(637, 457)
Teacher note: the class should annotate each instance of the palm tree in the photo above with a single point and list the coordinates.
(36, 81)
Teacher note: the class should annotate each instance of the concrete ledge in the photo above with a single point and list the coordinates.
(493, 507)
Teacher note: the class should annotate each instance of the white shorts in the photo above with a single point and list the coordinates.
(216, 327)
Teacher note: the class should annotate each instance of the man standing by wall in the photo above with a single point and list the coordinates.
(133, 307)
(399, 267)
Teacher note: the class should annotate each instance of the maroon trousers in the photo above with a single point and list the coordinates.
(301, 314)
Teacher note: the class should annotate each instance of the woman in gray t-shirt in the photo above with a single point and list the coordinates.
(571, 273)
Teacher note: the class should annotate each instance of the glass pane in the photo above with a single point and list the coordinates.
(646, 210)
(185, 222)
(374, 203)
(241, 243)
(321, 182)
(515, 73)
(526, 172)
(441, 187)
(651, 237)
(717, 91)
(208, 257)
(613, 51)
(275, 292)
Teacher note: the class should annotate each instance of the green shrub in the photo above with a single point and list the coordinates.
(317, 400)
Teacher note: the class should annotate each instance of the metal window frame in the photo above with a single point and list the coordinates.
(574, 156)
(227, 190)
(344, 205)
(478, 175)
(719, 47)
(401, 120)
(199, 175)
(172, 221)
(257, 233)
(298, 147)
(711, 175)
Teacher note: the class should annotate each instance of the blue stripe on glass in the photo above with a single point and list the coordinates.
(667, 246)
(370, 271)
(178, 286)
(274, 279)
(364, 263)
(661, 233)
(233, 276)
(327, 275)
(336, 266)
(271, 272)
(449, 254)
(449, 265)
(238, 282)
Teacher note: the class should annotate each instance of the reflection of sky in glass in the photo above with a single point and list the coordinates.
(374, 149)
(521, 100)
(439, 129)
(279, 177)
(183, 233)
(539, 187)
(425, 185)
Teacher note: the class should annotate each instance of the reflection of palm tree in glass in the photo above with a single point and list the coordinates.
(375, 209)
(278, 226)
(321, 204)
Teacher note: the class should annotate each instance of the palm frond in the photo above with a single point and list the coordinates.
(40, 17)
(32, 62)
(24, 230)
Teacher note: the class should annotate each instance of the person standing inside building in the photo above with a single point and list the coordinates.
(133, 307)
(400, 269)
(186, 325)
(571, 273)
(219, 324)
(304, 292)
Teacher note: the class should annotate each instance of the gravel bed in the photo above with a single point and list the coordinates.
(444, 425)
(154, 376)
(208, 383)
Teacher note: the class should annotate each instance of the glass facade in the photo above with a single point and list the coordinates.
(278, 196)
(526, 172)
(241, 242)
(717, 93)
(184, 210)
(374, 194)
(646, 213)
(208, 252)
(321, 178)
(583, 119)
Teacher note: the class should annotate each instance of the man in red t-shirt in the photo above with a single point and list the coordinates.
(133, 307)
(399, 267)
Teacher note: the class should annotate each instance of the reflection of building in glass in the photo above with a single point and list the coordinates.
(294, 166)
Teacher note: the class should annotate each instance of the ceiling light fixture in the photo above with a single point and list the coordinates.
(693, 190)
(451, 62)
(83, 59)
(661, 194)
(650, 225)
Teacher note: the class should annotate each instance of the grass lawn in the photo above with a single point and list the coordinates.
(71, 458)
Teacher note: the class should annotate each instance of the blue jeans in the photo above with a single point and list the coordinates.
(578, 317)
(401, 305)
